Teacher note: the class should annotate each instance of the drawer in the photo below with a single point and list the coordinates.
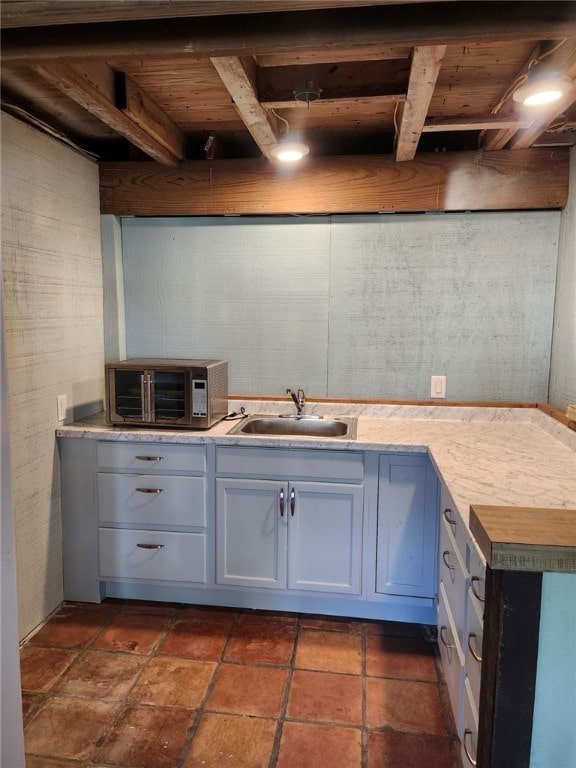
(171, 556)
(275, 463)
(453, 575)
(152, 457)
(151, 499)
(450, 515)
(469, 749)
(473, 647)
(477, 570)
(451, 655)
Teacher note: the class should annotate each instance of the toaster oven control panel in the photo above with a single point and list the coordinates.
(199, 398)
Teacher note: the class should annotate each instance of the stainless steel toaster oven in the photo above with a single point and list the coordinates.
(190, 394)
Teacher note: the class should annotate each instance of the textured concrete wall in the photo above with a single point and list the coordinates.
(563, 369)
(54, 338)
(356, 306)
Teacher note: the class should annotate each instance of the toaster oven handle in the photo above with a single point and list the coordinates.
(146, 396)
(143, 397)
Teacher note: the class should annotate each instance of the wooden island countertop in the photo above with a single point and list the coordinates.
(525, 538)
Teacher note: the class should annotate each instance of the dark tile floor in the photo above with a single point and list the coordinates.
(151, 685)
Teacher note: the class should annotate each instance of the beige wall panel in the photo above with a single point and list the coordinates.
(563, 369)
(52, 274)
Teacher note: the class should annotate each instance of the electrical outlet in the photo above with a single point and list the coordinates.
(438, 387)
(61, 406)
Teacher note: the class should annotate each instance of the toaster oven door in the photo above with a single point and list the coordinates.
(127, 399)
(170, 397)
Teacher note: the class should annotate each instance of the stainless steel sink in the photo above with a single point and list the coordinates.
(341, 427)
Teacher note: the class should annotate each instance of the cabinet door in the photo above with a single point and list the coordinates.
(325, 537)
(407, 526)
(251, 532)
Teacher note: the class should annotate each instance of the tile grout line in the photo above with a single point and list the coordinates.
(200, 710)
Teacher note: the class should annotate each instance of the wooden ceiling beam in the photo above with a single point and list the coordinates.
(343, 103)
(426, 63)
(144, 112)
(32, 13)
(94, 90)
(452, 181)
(325, 30)
(239, 77)
(473, 123)
(377, 52)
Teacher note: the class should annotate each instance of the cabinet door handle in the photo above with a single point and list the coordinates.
(445, 642)
(149, 458)
(281, 502)
(149, 490)
(471, 760)
(292, 502)
(474, 650)
(475, 592)
(446, 563)
(150, 546)
(447, 517)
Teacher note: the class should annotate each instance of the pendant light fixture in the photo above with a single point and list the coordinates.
(290, 148)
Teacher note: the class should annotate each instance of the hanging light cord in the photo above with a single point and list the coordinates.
(281, 118)
(520, 80)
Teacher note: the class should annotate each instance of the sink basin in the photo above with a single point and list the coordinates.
(342, 427)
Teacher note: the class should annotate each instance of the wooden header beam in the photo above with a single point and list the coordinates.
(326, 30)
(503, 180)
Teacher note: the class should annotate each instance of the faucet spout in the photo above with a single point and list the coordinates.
(299, 399)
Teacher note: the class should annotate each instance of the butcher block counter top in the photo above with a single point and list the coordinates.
(526, 539)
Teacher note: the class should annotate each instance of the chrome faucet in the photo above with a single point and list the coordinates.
(299, 400)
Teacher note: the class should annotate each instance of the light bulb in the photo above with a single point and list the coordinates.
(288, 151)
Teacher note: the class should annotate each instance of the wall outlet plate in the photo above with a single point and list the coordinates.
(61, 407)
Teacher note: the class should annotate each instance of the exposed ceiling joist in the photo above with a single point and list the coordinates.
(143, 111)
(323, 30)
(338, 103)
(473, 123)
(94, 90)
(424, 72)
(238, 75)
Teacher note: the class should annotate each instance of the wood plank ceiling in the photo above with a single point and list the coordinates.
(183, 81)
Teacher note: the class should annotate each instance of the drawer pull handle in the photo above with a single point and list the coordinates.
(447, 517)
(445, 642)
(292, 502)
(446, 563)
(474, 650)
(471, 759)
(150, 546)
(475, 592)
(281, 502)
(149, 490)
(149, 458)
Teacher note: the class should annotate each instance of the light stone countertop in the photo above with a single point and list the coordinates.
(493, 456)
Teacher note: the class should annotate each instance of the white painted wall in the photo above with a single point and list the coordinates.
(355, 306)
(54, 338)
(563, 367)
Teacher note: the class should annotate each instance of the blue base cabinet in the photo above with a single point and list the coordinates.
(407, 526)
